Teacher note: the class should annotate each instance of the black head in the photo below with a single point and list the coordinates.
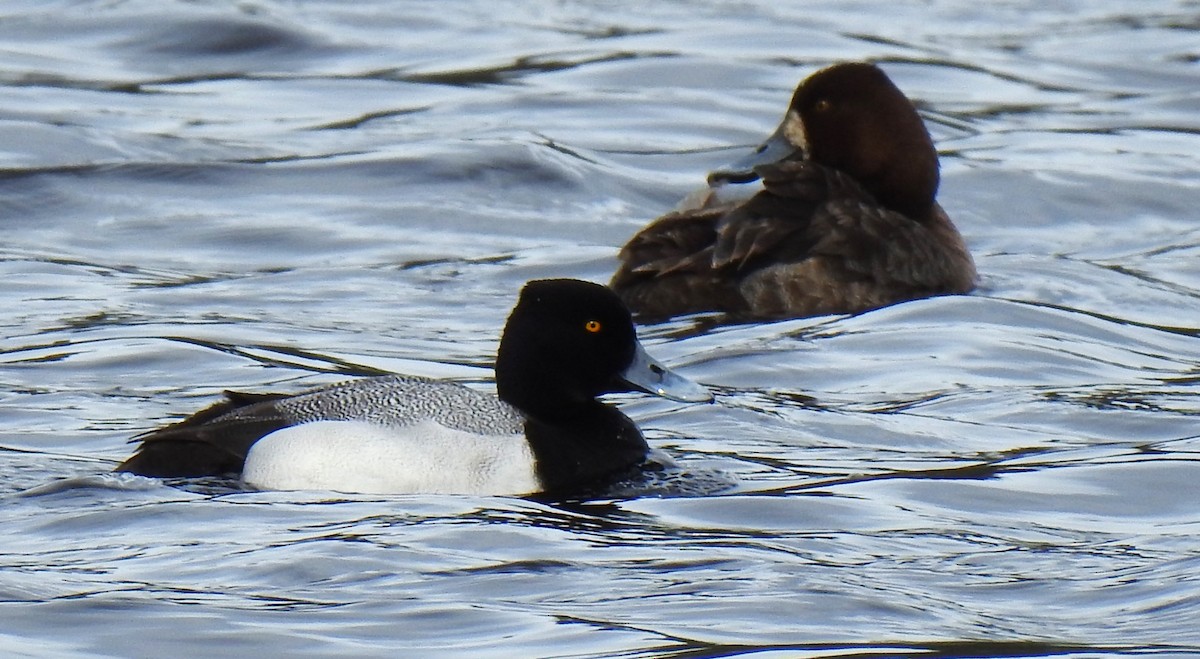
(857, 121)
(569, 341)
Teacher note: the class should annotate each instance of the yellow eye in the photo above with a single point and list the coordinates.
(593, 326)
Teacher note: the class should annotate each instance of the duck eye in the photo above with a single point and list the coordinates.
(593, 326)
(823, 105)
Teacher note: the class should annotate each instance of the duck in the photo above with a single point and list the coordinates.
(835, 213)
(565, 343)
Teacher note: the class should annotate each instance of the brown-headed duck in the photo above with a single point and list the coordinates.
(846, 219)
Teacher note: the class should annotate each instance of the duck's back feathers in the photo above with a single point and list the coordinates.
(401, 400)
(216, 439)
(861, 257)
(813, 241)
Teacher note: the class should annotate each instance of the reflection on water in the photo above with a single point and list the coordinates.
(264, 196)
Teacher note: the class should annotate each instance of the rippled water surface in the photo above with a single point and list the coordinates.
(268, 195)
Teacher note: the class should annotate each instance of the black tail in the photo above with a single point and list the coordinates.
(207, 443)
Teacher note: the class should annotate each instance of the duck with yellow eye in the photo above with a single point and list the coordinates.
(543, 432)
(835, 213)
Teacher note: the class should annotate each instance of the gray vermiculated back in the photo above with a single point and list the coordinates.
(401, 400)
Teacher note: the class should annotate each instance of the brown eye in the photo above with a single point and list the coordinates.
(823, 105)
(593, 326)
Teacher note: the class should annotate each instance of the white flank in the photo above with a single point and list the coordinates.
(356, 456)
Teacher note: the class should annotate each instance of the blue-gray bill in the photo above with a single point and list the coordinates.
(646, 374)
(776, 148)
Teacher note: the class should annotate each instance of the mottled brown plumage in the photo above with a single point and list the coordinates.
(846, 219)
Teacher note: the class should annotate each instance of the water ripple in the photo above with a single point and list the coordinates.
(266, 196)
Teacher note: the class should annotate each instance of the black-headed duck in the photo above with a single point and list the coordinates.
(846, 219)
(565, 343)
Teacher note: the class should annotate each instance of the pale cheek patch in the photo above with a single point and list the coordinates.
(793, 130)
(357, 456)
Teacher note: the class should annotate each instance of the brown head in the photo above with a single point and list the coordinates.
(852, 118)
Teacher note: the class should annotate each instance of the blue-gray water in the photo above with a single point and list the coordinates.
(268, 195)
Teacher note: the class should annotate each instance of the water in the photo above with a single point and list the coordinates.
(268, 195)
